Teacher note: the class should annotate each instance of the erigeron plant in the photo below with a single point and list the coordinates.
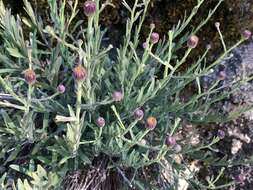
(62, 95)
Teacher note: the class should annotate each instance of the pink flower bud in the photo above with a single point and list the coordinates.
(79, 73)
(100, 121)
(138, 114)
(222, 75)
(30, 76)
(117, 96)
(89, 8)
(170, 141)
(151, 123)
(61, 88)
(221, 134)
(246, 34)
(145, 45)
(193, 41)
(154, 37)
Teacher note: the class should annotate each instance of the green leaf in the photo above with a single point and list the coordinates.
(15, 53)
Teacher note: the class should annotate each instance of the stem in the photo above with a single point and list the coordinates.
(78, 112)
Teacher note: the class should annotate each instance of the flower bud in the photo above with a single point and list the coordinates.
(89, 8)
(61, 88)
(177, 148)
(151, 123)
(222, 75)
(145, 45)
(193, 41)
(100, 121)
(217, 24)
(79, 73)
(221, 134)
(152, 25)
(138, 114)
(170, 141)
(246, 34)
(30, 76)
(117, 96)
(154, 37)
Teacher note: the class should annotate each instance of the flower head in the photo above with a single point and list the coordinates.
(222, 75)
(246, 34)
(151, 123)
(100, 121)
(30, 76)
(177, 148)
(217, 24)
(221, 134)
(193, 41)
(154, 37)
(145, 45)
(138, 114)
(61, 88)
(89, 8)
(79, 73)
(170, 141)
(117, 96)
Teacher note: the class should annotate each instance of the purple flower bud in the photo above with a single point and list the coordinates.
(30, 76)
(193, 41)
(170, 141)
(61, 88)
(89, 8)
(246, 34)
(117, 96)
(177, 148)
(100, 121)
(222, 75)
(154, 37)
(151, 123)
(221, 134)
(79, 73)
(145, 45)
(138, 114)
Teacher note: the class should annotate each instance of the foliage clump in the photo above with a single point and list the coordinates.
(75, 106)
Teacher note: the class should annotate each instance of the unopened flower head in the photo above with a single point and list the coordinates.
(100, 121)
(138, 114)
(246, 34)
(221, 134)
(79, 73)
(145, 45)
(177, 148)
(222, 75)
(193, 41)
(117, 96)
(30, 76)
(217, 25)
(151, 123)
(170, 141)
(89, 8)
(61, 88)
(154, 38)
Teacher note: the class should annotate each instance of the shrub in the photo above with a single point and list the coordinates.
(68, 104)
